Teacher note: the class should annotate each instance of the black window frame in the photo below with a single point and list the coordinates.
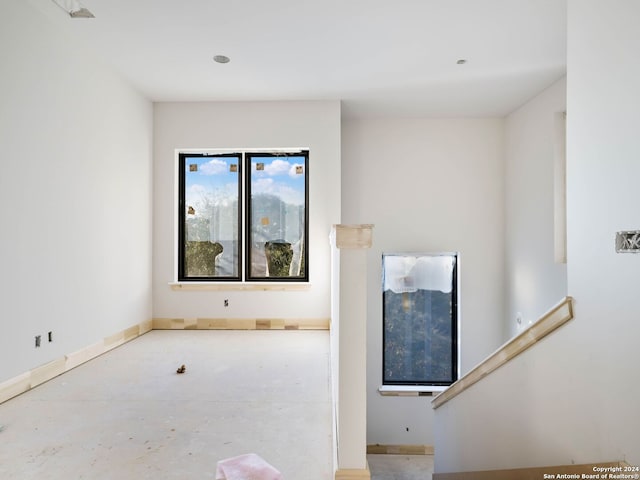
(248, 204)
(454, 330)
(244, 216)
(182, 209)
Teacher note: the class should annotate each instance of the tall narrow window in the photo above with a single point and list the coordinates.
(209, 246)
(277, 216)
(243, 208)
(420, 319)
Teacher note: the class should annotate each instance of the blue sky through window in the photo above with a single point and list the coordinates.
(212, 179)
(282, 177)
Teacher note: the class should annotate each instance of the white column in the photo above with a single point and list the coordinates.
(349, 338)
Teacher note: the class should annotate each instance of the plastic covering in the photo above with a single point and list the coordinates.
(411, 272)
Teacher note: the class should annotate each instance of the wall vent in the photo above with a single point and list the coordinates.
(628, 242)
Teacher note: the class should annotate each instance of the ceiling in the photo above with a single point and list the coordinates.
(379, 57)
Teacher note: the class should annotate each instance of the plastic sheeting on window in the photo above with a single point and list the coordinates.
(406, 272)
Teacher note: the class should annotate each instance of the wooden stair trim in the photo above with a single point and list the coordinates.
(550, 321)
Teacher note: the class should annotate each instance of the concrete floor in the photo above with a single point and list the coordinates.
(400, 467)
(128, 415)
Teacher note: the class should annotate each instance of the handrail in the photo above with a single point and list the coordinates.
(554, 318)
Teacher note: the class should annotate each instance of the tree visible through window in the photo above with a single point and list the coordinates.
(420, 319)
(243, 208)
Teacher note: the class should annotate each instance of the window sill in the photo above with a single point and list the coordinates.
(410, 390)
(255, 286)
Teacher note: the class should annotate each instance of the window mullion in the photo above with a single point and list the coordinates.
(243, 235)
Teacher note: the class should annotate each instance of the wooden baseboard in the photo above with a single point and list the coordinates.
(39, 375)
(25, 382)
(535, 473)
(240, 324)
(400, 449)
(352, 474)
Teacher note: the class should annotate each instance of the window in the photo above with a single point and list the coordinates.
(243, 216)
(420, 319)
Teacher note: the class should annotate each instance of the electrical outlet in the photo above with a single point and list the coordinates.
(37, 341)
(226, 302)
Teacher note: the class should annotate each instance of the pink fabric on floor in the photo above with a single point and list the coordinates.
(246, 467)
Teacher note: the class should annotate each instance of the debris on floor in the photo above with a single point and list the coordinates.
(246, 466)
(182, 369)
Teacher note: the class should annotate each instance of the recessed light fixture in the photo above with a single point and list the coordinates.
(74, 8)
(222, 59)
(462, 61)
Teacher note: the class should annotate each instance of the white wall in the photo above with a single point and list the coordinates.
(315, 125)
(603, 169)
(573, 397)
(351, 358)
(75, 194)
(533, 281)
(335, 345)
(427, 185)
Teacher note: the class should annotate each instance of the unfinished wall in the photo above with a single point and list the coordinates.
(603, 169)
(573, 397)
(75, 193)
(314, 125)
(428, 185)
(534, 282)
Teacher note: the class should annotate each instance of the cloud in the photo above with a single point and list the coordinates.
(278, 167)
(291, 195)
(284, 192)
(275, 168)
(214, 167)
(195, 195)
(196, 190)
(263, 185)
(200, 197)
